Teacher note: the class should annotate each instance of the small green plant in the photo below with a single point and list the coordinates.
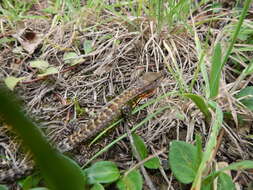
(141, 148)
(184, 162)
(44, 69)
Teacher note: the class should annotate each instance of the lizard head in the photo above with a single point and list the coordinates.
(149, 81)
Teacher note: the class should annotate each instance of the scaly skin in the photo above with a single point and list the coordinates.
(112, 110)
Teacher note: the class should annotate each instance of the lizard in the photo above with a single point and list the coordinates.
(107, 114)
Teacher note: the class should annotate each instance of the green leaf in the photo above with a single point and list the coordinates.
(59, 171)
(49, 71)
(140, 146)
(225, 182)
(207, 187)
(39, 188)
(68, 56)
(102, 172)
(200, 103)
(29, 182)
(11, 82)
(143, 152)
(87, 46)
(97, 186)
(183, 161)
(3, 187)
(39, 64)
(72, 58)
(247, 101)
(133, 181)
(215, 71)
(153, 163)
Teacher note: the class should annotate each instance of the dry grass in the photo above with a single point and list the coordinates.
(121, 52)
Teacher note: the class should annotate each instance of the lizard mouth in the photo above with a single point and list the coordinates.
(151, 88)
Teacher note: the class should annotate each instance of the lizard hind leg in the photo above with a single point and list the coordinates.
(126, 112)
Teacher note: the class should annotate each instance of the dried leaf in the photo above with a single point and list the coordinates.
(28, 39)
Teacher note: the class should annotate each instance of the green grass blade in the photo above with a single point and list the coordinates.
(200, 103)
(245, 164)
(238, 27)
(215, 71)
(60, 172)
(210, 146)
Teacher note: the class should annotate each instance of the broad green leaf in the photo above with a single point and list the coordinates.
(102, 172)
(49, 71)
(72, 58)
(153, 163)
(87, 46)
(140, 146)
(11, 82)
(183, 161)
(248, 101)
(97, 186)
(39, 64)
(143, 152)
(3, 187)
(200, 103)
(39, 188)
(29, 182)
(59, 171)
(133, 181)
(225, 182)
(215, 71)
(246, 164)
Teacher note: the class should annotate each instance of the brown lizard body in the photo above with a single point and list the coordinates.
(112, 110)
